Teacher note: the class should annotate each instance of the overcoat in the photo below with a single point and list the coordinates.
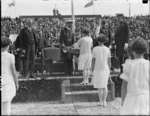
(121, 37)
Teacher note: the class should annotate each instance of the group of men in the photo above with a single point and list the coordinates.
(27, 41)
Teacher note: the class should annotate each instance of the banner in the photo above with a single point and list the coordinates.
(89, 4)
(12, 4)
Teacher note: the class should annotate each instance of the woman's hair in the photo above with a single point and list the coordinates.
(5, 41)
(103, 22)
(101, 38)
(139, 45)
(86, 31)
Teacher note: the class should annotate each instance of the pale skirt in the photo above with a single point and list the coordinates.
(136, 104)
(8, 92)
(85, 61)
(100, 78)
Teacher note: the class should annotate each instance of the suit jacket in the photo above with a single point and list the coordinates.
(42, 43)
(67, 39)
(26, 38)
(121, 37)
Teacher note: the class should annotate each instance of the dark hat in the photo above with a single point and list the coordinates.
(120, 15)
(69, 21)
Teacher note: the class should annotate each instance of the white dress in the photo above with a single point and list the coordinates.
(85, 58)
(8, 84)
(136, 73)
(101, 70)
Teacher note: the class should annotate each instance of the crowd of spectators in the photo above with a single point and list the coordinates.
(51, 27)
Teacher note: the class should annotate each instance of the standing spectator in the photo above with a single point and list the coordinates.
(85, 58)
(106, 31)
(121, 39)
(136, 82)
(8, 77)
(66, 40)
(27, 41)
(42, 41)
(101, 64)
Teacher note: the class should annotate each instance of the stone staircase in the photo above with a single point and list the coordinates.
(73, 91)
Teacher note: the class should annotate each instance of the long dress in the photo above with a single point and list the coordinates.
(101, 70)
(137, 75)
(8, 84)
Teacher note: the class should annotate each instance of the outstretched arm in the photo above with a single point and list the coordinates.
(123, 91)
(98, 28)
(15, 75)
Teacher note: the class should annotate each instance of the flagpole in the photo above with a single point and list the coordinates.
(73, 17)
(93, 8)
(149, 7)
(129, 9)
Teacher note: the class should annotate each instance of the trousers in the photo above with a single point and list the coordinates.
(29, 60)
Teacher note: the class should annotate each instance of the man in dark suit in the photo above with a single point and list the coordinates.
(121, 39)
(43, 42)
(27, 42)
(66, 40)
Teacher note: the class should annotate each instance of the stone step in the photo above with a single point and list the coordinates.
(75, 90)
(79, 87)
(79, 80)
(83, 92)
(84, 96)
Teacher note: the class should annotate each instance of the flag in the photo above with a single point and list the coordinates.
(89, 4)
(12, 4)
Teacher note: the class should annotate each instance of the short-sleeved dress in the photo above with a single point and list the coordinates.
(137, 74)
(101, 70)
(85, 58)
(8, 85)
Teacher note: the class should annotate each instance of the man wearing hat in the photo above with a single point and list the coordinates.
(121, 39)
(66, 40)
(27, 42)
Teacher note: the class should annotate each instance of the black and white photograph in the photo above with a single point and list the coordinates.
(75, 57)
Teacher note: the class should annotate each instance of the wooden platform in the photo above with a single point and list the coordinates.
(58, 76)
(51, 88)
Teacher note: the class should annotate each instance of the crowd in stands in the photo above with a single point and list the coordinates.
(51, 27)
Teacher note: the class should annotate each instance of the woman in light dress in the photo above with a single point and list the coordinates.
(101, 63)
(136, 81)
(85, 44)
(8, 78)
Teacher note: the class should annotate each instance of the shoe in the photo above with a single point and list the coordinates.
(32, 75)
(100, 104)
(82, 83)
